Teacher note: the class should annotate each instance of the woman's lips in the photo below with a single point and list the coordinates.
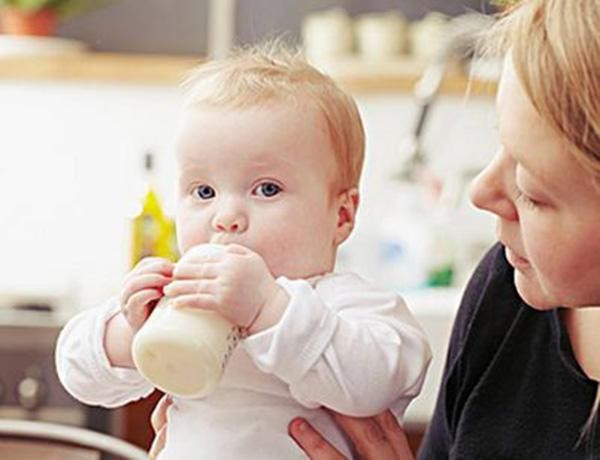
(516, 260)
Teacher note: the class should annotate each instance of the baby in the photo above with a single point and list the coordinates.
(269, 158)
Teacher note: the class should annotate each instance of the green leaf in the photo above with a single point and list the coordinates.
(64, 8)
(504, 3)
(27, 5)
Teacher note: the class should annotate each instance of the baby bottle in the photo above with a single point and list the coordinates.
(183, 351)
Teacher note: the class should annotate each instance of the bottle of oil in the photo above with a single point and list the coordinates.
(153, 232)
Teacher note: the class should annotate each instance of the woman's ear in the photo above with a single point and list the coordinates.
(347, 204)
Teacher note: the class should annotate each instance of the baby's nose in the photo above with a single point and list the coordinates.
(233, 227)
(230, 221)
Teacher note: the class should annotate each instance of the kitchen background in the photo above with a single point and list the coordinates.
(72, 146)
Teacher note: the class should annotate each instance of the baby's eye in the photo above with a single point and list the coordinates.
(204, 192)
(268, 189)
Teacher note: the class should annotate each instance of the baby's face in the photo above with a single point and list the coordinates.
(261, 177)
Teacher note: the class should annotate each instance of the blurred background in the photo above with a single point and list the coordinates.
(89, 105)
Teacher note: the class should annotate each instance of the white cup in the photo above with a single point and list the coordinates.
(381, 35)
(429, 37)
(184, 351)
(327, 34)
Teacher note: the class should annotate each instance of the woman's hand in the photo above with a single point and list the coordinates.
(377, 438)
(158, 420)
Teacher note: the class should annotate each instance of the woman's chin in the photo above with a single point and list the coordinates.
(531, 291)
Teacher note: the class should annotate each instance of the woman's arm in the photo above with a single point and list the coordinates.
(158, 420)
(378, 438)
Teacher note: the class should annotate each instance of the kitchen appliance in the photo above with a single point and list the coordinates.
(29, 386)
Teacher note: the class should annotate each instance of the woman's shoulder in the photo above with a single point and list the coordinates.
(489, 308)
(490, 292)
(492, 277)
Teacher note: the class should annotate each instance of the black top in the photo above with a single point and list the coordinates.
(512, 388)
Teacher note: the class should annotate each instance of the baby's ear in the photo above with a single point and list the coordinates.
(347, 204)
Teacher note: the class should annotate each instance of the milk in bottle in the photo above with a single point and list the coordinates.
(183, 351)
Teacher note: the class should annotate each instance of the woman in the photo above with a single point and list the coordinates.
(522, 372)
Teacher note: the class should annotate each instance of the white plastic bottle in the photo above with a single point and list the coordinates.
(184, 351)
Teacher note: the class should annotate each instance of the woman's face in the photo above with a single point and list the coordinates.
(547, 205)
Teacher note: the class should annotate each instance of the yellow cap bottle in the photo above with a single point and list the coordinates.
(153, 232)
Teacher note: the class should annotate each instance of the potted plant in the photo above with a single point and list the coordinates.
(39, 17)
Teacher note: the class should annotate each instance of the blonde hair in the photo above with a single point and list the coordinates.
(274, 72)
(555, 47)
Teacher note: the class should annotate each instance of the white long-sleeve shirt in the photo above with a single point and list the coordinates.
(340, 343)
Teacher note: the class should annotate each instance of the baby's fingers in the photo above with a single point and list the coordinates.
(154, 265)
(187, 287)
(203, 301)
(206, 270)
(141, 282)
(136, 310)
(158, 444)
(158, 418)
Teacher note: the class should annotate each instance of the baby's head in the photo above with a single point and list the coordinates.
(269, 156)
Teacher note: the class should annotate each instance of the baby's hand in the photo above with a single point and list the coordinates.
(237, 283)
(143, 287)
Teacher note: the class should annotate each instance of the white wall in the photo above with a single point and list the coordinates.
(460, 135)
(69, 178)
(70, 166)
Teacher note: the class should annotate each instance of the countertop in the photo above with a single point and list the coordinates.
(435, 310)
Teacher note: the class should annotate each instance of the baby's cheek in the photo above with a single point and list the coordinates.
(298, 260)
(274, 257)
(189, 235)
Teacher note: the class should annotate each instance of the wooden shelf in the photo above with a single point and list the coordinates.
(118, 68)
(398, 75)
(356, 75)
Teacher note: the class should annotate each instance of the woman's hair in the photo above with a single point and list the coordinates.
(274, 72)
(555, 47)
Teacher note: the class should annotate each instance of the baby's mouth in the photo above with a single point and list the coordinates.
(220, 238)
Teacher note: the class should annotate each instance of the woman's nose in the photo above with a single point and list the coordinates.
(230, 220)
(490, 190)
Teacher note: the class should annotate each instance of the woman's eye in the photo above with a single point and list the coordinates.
(268, 189)
(527, 201)
(204, 192)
